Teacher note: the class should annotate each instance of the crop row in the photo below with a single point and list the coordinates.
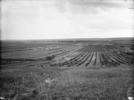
(105, 57)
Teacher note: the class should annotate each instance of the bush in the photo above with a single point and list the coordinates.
(50, 57)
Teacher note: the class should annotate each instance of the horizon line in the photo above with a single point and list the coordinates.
(65, 39)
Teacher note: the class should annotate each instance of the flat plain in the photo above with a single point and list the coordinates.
(91, 69)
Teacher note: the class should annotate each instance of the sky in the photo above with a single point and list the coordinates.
(65, 19)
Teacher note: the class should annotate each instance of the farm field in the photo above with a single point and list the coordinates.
(67, 70)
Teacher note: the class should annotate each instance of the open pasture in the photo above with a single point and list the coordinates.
(77, 70)
(21, 52)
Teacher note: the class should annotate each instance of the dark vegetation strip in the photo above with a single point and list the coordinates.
(111, 61)
(93, 59)
(114, 62)
(89, 59)
(101, 60)
(119, 57)
(98, 58)
(116, 58)
(105, 60)
(89, 56)
(84, 59)
(78, 60)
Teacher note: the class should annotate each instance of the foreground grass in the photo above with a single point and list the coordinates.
(75, 83)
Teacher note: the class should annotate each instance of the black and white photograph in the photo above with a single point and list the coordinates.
(67, 49)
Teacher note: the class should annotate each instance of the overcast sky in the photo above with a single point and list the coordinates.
(59, 19)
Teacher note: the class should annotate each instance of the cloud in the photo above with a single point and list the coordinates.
(85, 6)
(52, 19)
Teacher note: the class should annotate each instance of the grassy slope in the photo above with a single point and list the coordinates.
(75, 83)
